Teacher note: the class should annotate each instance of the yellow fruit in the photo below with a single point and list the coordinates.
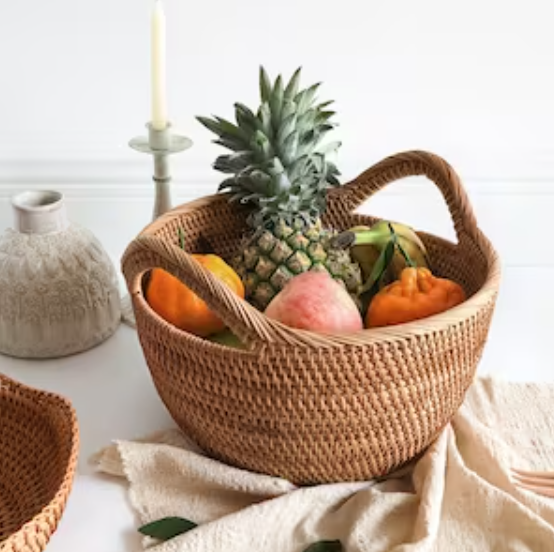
(367, 243)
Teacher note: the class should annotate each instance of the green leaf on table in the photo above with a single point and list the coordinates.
(325, 546)
(167, 528)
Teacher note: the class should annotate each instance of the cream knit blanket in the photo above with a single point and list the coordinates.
(457, 497)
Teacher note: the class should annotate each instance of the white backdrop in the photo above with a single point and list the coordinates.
(472, 81)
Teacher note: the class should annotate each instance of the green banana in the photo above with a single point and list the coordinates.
(368, 243)
(365, 254)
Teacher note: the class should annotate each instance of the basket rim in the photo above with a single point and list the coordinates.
(150, 249)
(436, 322)
(46, 520)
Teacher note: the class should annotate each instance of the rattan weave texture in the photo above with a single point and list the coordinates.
(310, 407)
(39, 441)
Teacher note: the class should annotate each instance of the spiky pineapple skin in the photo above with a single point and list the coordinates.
(273, 255)
(280, 167)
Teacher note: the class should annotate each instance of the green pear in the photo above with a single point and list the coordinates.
(228, 338)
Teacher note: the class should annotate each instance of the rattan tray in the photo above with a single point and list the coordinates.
(39, 442)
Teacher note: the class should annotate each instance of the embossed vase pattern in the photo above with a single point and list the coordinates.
(59, 291)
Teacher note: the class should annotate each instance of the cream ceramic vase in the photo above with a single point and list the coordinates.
(59, 291)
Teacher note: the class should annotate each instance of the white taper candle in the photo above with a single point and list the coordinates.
(158, 52)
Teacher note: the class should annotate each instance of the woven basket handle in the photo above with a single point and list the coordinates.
(148, 251)
(414, 163)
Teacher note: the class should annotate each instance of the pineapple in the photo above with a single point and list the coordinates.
(280, 169)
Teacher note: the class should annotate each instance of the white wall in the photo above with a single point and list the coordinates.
(472, 81)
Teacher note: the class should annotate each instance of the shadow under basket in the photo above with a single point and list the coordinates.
(309, 407)
(39, 442)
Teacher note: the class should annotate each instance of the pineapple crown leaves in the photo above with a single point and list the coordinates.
(278, 160)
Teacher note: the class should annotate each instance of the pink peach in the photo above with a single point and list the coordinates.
(315, 301)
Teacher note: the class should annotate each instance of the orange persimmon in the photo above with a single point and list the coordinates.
(416, 294)
(179, 305)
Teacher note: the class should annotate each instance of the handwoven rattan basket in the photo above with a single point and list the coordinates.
(309, 407)
(39, 441)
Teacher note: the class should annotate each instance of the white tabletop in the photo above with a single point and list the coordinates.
(111, 389)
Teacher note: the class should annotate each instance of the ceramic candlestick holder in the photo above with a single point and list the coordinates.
(161, 144)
